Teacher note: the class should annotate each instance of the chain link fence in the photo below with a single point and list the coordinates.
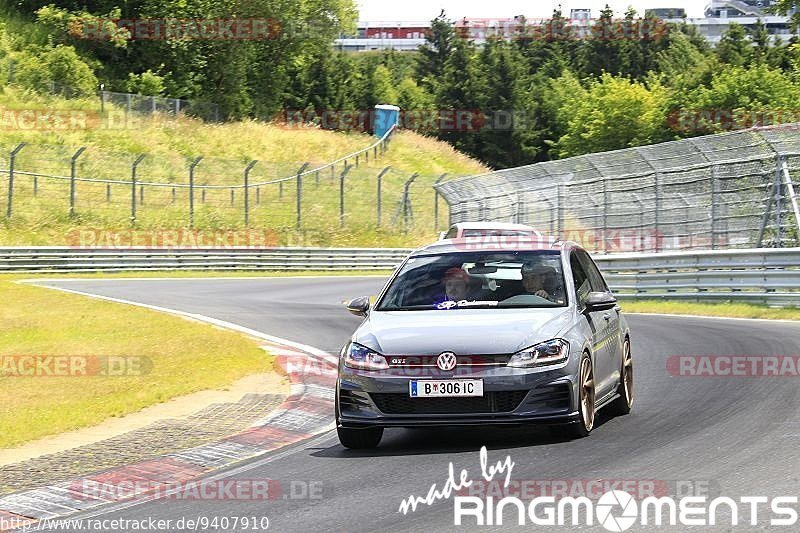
(84, 187)
(720, 191)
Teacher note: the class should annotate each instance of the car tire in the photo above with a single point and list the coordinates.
(586, 401)
(360, 439)
(622, 405)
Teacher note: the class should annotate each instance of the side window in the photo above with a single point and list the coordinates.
(595, 277)
(451, 234)
(581, 280)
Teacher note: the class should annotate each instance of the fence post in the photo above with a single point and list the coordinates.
(341, 194)
(233, 197)
(656, 218)
(407, 211)
(72, 176)
(379, 194)
(560, 210)
(247, 170)
(191, 189)
(300, 194)
(787, 179)
(436, 202)
(605, 215)
(108, 193)
(11, 159)
(714, 191)
(133, 187)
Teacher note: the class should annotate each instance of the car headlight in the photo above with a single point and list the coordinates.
(546, 353)
(362, 358)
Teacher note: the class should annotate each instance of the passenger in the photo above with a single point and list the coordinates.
(456, 284)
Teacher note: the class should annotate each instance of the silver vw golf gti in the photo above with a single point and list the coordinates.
(476, 335)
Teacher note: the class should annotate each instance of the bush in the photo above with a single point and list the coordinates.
(37, 67)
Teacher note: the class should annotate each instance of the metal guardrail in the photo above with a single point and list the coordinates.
(65, 259)
(761, 275)
(770, 276)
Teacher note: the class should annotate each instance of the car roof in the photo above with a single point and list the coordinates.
(448, 246)
(492, 225)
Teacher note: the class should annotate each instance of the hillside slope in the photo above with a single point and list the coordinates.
(55, 128)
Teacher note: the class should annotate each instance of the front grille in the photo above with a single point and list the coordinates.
(490, 402)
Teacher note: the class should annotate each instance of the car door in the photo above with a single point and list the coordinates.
(583, 287)
(608, 327)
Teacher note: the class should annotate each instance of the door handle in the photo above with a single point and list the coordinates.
(606, 317)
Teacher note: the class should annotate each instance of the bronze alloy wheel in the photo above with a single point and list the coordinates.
(627, 372)
(587, 394)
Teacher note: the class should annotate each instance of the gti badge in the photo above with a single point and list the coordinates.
(446, 361)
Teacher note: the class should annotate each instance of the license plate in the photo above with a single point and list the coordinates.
(446, 388)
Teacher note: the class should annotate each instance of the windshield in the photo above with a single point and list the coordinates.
(477, 280)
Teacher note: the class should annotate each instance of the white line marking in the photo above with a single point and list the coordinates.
(202, 318)
(778, 320)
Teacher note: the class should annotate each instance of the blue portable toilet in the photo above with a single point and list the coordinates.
(386, 116)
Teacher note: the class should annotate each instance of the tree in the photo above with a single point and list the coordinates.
(439, 44)
(734, 48)
(460, 95)
(784, 7)
(741, 97)
(613, 113)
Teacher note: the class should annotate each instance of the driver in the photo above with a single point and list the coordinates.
(534, 279)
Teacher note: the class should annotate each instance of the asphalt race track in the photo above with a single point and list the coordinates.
(731, 436)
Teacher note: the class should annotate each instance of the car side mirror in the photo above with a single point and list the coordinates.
(358, 306)
(600, 301)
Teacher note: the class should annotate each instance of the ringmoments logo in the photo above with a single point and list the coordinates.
(618, 510)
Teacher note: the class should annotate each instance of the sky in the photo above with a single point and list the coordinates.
(424, 10)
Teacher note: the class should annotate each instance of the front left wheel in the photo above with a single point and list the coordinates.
(586, 404)
(360, 439)
(622, 405)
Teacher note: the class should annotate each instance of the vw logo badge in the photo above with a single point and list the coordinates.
(446, 361)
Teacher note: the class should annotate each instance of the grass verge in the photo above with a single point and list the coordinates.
(177, 357)
(731, 310)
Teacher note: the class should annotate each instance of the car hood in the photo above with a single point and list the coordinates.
(463, 331)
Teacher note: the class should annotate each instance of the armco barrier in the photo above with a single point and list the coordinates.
(55, 259)
(761, 275)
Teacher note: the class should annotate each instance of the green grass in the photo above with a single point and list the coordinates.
(41, 216)
(183, 356)
(733, 310)
(194, 274)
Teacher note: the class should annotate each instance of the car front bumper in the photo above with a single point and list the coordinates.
(511, 396)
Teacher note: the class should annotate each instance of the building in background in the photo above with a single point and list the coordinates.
(719, 14)
(394, 35)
